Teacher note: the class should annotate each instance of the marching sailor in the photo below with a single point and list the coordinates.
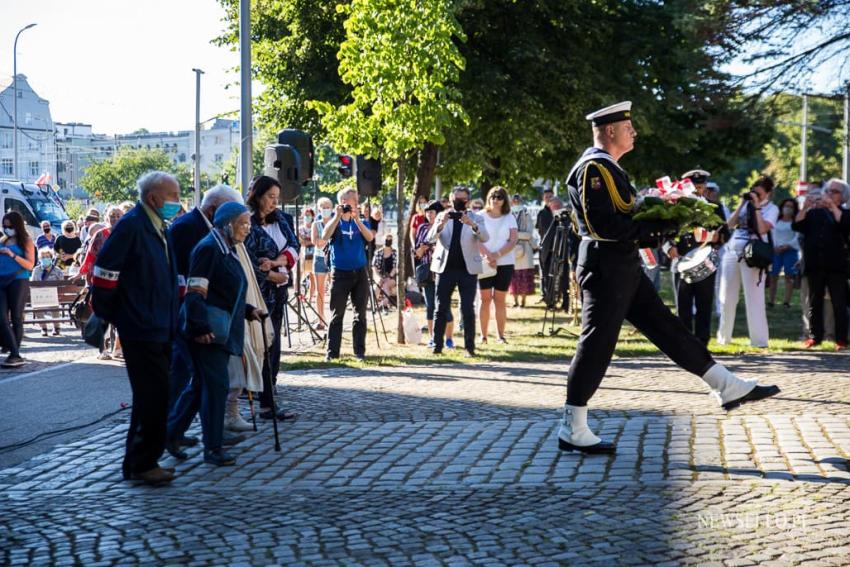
(698, 295)
(614, 287)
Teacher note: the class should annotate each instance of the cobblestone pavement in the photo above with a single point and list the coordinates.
(405, 466)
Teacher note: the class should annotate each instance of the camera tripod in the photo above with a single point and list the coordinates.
(297, 301)
(558, 281)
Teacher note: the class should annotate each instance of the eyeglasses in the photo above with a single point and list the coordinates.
(835, 191)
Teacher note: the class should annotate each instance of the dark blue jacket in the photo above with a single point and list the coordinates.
(216, 278)
(135, 281)
(261, 245)
(186, 232)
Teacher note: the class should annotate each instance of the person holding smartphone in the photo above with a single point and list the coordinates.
(458, 234)
(825, 227)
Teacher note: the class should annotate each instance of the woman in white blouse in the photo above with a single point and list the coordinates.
(498, 256)
(786, 252)
(755, 217)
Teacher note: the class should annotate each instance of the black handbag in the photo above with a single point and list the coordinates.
(758, 254)
(423, 273)
(95, 331)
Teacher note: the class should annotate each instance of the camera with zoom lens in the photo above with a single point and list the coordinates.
(346, 208)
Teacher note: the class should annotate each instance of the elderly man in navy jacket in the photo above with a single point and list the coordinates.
(185, 395)
(135, 288)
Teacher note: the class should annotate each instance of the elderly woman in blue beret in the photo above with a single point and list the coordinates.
(215, 313)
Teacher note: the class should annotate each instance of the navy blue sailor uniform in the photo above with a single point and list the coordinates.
(614, 288)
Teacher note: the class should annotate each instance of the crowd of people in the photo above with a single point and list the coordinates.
(808, 239)
(197, 298)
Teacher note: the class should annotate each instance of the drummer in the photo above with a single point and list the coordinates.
(697, 296)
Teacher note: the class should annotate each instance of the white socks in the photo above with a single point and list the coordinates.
(725, 385)
(574, 429)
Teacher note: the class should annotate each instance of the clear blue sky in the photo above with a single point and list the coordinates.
(121, 65)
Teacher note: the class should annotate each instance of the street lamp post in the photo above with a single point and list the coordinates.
(197, 164)
(246, 156)
(15, 96)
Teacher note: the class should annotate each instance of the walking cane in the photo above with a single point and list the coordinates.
(272, 380)
(250, 396)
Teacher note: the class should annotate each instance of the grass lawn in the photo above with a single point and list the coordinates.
(526, 344)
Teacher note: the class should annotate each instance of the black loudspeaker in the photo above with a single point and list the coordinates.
(303, 144)
(283, 163)
(368, 175)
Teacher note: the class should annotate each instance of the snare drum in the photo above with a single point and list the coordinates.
(697, 264)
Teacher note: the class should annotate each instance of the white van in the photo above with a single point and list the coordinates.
(36, 204)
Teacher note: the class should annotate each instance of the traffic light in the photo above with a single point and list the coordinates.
(346, 163)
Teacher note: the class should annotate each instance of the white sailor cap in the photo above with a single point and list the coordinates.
(696, 175)
(614, 113)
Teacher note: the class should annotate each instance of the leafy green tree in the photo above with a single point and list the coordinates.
(294, 54)
(114, 179)
(402, 63)
(780, 155)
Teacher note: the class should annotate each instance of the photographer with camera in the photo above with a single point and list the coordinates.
(457, 263)
(825, 227)
(348, 237)
(753, 220)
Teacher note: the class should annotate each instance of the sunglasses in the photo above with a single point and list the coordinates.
(497, 198)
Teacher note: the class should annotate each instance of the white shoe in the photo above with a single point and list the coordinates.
(233, 419)
(575, 435)
(237, 424)
(725, 386)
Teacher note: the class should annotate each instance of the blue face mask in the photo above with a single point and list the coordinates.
(46, 262)
(169, 210)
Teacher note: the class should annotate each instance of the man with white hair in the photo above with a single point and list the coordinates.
(825, 227)
(184, 393)
(348, 237)
(135, 288)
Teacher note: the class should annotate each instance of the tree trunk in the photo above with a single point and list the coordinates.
(425, 168)
(425, 171)
(404, 250)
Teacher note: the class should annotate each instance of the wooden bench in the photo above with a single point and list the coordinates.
(66, 292)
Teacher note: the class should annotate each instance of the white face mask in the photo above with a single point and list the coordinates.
(10, 232)
(327, 213)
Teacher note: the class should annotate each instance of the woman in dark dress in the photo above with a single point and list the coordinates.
(275, 248)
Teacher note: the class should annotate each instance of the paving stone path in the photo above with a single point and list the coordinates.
(458, 465)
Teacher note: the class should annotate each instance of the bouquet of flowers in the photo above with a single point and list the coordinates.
(677, 201)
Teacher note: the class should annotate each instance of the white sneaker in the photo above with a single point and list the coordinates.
(237, 424)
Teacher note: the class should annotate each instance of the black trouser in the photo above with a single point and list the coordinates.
(819, 282)
(345, 284)
(147, 367)
(270, 374)
(701, 295)
(466, 284)
(614, 288)
(13, 299)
